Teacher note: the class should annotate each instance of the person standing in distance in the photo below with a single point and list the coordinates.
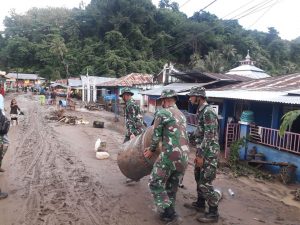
(170, 128)
(207, 148)
(133, 116)
(4, 142)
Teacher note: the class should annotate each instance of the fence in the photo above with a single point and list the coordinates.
(232, 135)
(267, 136)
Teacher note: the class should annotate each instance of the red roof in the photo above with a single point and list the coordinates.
(130, 80)
(276, 83)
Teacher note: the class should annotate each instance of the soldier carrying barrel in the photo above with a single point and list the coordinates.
(170, 128)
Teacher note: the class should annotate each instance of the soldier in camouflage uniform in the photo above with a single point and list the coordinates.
(207, 148)
(133, 116)
(170, 128)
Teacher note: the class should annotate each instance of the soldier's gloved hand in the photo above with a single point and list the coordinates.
(199, 161)
(148, 153)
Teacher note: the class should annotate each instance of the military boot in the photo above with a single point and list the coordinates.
(212, 216)
(199, 205)
(168, 214)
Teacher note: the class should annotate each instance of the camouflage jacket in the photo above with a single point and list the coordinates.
(207, 134)
(133, 118)
(170, 127)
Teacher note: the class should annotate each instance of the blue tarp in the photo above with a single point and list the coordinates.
(110, 97)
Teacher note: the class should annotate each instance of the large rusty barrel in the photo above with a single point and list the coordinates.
(131, 160)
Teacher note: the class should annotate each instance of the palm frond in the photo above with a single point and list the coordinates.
(287, 121)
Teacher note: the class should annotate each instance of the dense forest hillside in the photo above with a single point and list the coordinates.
(117, 37)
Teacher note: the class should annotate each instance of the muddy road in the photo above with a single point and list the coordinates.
(53, 178)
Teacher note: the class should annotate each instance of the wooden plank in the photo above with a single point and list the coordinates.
(270, 163)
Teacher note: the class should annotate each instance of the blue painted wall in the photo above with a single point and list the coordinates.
(262, 113)
(274, 155)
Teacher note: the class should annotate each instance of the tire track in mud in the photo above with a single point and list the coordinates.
(56, 187)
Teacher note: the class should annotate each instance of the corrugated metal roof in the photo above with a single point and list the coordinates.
(272, 89)
(278, 83)
(60, 85)
(74, 82)
(261, 96)
(23, 76)
(130, 80)
(294, 92)
(98, 80)
(178, 87)
(197, 76)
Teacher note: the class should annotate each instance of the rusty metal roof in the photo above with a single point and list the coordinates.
(281, 89)
(279, 83)
(130, 80)
(201, 77)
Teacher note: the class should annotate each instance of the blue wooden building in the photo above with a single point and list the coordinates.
(267, 99)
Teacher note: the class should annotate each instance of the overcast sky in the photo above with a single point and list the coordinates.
(282, 14)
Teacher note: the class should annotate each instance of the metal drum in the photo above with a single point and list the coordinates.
(131, 160)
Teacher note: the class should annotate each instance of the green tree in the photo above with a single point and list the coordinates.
(214, 62)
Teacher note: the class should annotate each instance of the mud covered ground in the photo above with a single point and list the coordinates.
(53, 178)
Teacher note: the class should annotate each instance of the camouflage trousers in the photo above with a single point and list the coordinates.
(204, 177)
(3, 149)
(164, 181)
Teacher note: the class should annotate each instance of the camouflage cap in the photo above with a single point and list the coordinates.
(197, 91)
(126, 90)
(168, 93)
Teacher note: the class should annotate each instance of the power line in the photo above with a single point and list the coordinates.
(263, 14)
(208, 5)
(253, 9)
(174, 45)
(184, 3)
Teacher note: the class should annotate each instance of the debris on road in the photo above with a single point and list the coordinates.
(101, 152)
(259, 220)
(59, 116)
(102, 155)
(94, 106)
(297, 194)
(98, 124)
(73, 120)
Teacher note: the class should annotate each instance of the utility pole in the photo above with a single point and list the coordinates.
(17, 81)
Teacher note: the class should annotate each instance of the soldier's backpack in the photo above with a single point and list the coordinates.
(4, 124)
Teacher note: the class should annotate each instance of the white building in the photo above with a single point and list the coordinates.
(89, 86)
(247, 69)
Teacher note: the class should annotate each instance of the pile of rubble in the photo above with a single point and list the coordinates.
(94, 106)
(73, 120)
(58, 115)
(297, 194)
